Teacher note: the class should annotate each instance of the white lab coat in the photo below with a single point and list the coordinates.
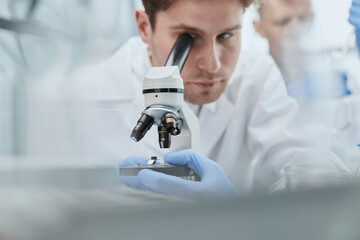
(338, 116)
(251, 130)
(346, 136)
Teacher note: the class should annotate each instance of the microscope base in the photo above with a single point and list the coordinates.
(179, 171)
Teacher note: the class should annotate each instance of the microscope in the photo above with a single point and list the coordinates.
(177, 125)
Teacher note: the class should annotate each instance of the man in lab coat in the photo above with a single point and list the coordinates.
(324, 99)
(287, 25)
(277, 21)
(248, 124)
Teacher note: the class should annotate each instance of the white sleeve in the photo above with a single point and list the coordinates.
(280, 144)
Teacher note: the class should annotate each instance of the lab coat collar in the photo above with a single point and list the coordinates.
(210, 106)
(196, 108)
(215, 116)
(214, 119)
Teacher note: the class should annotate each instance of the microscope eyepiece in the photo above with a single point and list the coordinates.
(143, 125)
(180, 51)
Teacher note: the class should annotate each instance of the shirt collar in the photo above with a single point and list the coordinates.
(197, 108)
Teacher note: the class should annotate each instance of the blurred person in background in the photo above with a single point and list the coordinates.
(326, 88)
(41, 43)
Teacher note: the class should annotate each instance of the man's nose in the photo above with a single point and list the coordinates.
(209, 60)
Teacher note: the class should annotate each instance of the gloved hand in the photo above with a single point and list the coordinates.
(214, 182)
(354, 19)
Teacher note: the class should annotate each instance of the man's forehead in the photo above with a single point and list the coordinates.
(197, 17)
(293, 2)
(193, 28)
(270, 4)
(275, 7)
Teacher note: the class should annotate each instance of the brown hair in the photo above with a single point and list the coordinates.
(154, 6)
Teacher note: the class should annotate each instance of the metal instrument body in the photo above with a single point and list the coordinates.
(163, 91)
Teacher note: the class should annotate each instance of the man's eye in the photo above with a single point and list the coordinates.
(224, 36)
(193, 35)
(284, 22)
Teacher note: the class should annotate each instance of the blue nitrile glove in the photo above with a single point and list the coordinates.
(214, 182)
(357, 34)
(354, 19)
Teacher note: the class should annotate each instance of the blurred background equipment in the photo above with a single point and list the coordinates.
(41, 43)
(313, 44)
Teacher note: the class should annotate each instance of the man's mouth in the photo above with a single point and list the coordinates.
(207, 84)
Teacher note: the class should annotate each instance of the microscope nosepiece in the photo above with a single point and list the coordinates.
(143, 125)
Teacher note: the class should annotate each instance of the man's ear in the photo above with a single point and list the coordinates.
(143, 25)
(259, 28)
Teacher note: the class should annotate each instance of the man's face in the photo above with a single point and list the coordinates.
(215, 26)
(278, 19)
